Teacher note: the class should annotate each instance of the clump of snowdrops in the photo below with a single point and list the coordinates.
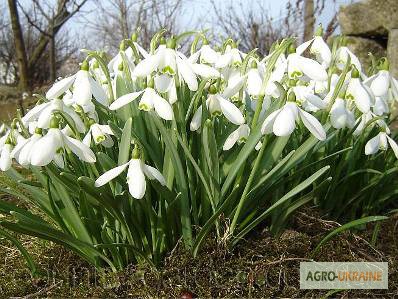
(132, 154)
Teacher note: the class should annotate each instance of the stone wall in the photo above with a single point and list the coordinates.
(372, 26)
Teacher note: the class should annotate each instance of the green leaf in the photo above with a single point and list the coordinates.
(124, 145)
(21, 248)
(348, 226)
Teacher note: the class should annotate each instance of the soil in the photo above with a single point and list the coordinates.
(261, 266)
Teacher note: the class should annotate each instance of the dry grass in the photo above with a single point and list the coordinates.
(262, 266)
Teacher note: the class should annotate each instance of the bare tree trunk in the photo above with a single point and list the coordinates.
(20, 50)
(309, 19)
(53, 67)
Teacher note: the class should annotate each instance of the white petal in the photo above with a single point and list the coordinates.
(254, 82)
(124, 100)
(110, 175)
(34, 112)
(187, 74)
(60, 87)
(230, 111)
(163, 82)
(268, 123)
(313, 125)
(312, 69)
(87, 139)
(231, 140)
(79, 149)
(380, 84)
(322, 50)
(162, 107)
(285, 121)
(196, 120)
(208, 54)
(98, 92)
(338, 115)
(153, 174)
(393, 145)
(146, 66)
(224, 60)
(301, 48)
(373, 145)
(234, 86)
(361, 97)
(82, 91)
(205, 71)
(5, 157)
(136, 179)
(46, 148)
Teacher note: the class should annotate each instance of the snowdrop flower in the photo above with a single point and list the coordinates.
(84, 87)
(166, 60)
(41, 115)
(381, 106)
(49, 147)
(101, 134)
(309, 101)
(238, 136)
(382, 81)
(342, 55)
(380, 142)
(136, 174)
(340, 116)
(319, 48)
(282, 122)
(150, 100)
(217, 104)
(23, 151)
(5, 156)
(207, 54)
(297, 66)
(231, 57)
(357, 92)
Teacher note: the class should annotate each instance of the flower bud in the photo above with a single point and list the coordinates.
(54, 122)
(135, 154)
(151, 83)
(84, 66)
(171, 43)
(384, 64)
(212, 89)
(39, 131)
(123, 45)
(291, 49)
(291, 97)
(319, 31)
(354, 72)
(134, 37)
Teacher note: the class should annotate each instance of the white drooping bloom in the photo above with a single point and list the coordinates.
(282, 122)
(297, 66)
(150, 100)
(357, 92)
(340, 116)
(342, 55)
(5, 157)
(171, 62)
(238, 136)
(319, 48)
(231, 57)
(101, 134)
(308, 99)
(217, 104)
(136, 174)
(84, 88)
(381, 83)
(380, 142)
(49, 148)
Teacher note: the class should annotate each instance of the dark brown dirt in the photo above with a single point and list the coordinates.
(261, 266)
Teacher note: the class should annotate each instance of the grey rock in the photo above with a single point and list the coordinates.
(369, 18)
